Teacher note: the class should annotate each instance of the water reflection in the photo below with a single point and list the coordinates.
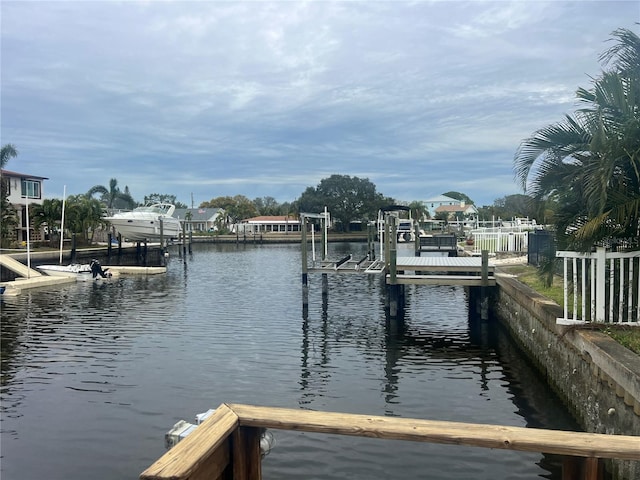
(94, 374)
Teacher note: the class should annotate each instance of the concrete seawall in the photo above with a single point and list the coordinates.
(598, 379)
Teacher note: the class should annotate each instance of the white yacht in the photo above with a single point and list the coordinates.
(147, 222)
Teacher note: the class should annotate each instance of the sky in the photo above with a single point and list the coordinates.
(201, 99)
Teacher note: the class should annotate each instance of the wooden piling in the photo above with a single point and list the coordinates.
(484, 298)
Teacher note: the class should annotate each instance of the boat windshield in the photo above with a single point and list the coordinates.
(158, 208)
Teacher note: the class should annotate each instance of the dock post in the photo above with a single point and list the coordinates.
(190, 241)
(305, 267)
(416, 243)
(109, 238)
(303, 246)
(184, 241)
(73, 247)
(484, 299)
(325, 240)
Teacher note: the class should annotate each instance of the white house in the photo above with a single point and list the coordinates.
(440, 201)
(24, 189)
(269, 223)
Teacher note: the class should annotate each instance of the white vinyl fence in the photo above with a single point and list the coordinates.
(601, 287)
(497, 240)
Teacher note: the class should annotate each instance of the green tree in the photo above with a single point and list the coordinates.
(164, 198)
(459, 196)
(268, 206)
(7, 153)
(112, 197)
(84, 215)
(48, 213)
(236, 208)
(8, 214)
(589, 163)
(347, 199)
(419, 210)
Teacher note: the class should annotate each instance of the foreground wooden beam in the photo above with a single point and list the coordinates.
(558, 442)
(227, 445)
(204, 454)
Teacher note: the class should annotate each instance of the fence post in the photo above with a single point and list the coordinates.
(601, 261)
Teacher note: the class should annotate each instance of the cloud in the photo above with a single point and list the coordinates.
(264, 99)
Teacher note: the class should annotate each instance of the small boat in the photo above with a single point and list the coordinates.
(81, 271)
(72, 270)
(147, 222)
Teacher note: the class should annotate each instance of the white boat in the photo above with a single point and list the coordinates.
(73, 270)
(81, 271)
(144, 223)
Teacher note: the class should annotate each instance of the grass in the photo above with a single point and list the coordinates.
(628, 336)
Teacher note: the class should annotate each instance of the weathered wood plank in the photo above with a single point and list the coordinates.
(490, 436)
(202, 454)
(247, 461)
(463, 280)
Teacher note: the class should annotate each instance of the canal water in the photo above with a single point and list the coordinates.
(94, 374)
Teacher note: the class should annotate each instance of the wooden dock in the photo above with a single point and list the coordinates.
(227, 444)
(465, 271)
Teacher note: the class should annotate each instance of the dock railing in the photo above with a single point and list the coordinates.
(500, 240)
(602, 286)
(227, 444)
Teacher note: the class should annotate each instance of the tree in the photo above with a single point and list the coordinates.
(459, 196)
(589, 163)
(49, 213)
(8, 216)
(347, 199)
(236, 208)
(419, 210)
(112, 197)
(511, 206)
(83, 216)
(7, 153)
(163, 198)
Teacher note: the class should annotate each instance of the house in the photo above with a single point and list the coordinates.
(24, 190)
(269, 223)
(440, 201)
(461, 213)
(200, 219)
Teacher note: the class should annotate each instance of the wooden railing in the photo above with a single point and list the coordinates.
(226, 445)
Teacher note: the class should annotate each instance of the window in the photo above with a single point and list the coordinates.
(30, 188)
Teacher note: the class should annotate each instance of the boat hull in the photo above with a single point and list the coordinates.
(76, 271)
(143, 229)
(150, 222)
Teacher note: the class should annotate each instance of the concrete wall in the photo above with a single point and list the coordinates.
(598, 379)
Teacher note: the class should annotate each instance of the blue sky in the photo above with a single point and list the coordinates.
(209, 98)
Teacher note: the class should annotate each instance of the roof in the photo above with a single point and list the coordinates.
(197, 214)
(442, 199)
(9, 173)
(271, 219)
(455, 208)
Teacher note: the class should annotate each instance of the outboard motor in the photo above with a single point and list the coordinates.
(96, 269)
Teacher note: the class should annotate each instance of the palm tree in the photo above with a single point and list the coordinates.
(590, 162)
(8, 152)
(84, 215)
(49, 213)
(112, 196)
(9, 216)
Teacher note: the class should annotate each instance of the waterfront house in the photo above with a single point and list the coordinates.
(24, 190)
(467, 214)
(441, 200)
(268, 224)
(201, 219)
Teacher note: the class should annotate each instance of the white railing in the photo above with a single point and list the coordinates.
(500, 241)
(601, 286)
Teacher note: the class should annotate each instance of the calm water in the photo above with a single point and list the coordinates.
(93, 375)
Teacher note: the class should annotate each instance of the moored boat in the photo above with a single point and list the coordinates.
(149, 222)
